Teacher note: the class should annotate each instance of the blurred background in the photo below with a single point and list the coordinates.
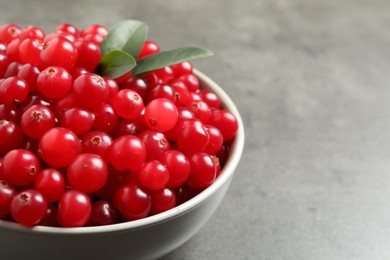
(311, 80)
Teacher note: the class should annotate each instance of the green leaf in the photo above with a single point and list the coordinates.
(115, 63)
(167, 58)
(128, 35)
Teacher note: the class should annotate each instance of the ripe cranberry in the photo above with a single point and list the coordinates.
(203, 170)
(105, 118)
(8, 32)
(178, 166)
(216, 140)
(149, 48)
(29, 72)
(132, 202)
(36, 120)
(127, 104)
(51, 183)
(103, 213)
(59, 147)
(98, 143)
(90, 90)
(10, 112)
(182, 69)
(153, 175)
(30, 51)
(74, 209)
(13, 90)
(87, 173)
(127, 152)
(137, 84)
(59, 52)
(11, 136)
(28, 207)
(156, 144)
(162, 200)
(226, 122)
(20, 167)
(7, 192)
(78, 120)
(54, 82)
(88, 55)
(161, 114)
(32, 32)
(192, 130)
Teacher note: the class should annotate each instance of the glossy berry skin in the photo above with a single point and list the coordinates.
(30, 51)
(36, 120)
(156, 144)
(203, 170)
(178, 166)
(127, 152)
(192, 130)
(87, 173)
(59, 147)
(8, 32)
(20, 167)
(103, 213)
(29, 72)
(90, 90)
(13, 90)
(210, 98)
(162, 200)
(132, 202)
(201, 111)
(54, 82)
(28, 207)
(50, 183)
(74, 209)
(149, 48)
(216, 139)
(161, 114)
(78, 120)
(127, 104)
(10, 113)
(88, 55)
(226, 122)
(60, 52)
(137, 84)
(105, 118)
(153, 175)
(11, 136)
(97, 142)
(7, 192)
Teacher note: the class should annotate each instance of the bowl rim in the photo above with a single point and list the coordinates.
(226, 173)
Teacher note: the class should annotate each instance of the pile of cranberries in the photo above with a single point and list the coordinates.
(78, 149)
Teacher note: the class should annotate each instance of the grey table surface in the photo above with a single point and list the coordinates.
(312, 81)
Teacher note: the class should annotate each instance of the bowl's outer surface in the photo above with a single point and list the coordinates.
(148, 238)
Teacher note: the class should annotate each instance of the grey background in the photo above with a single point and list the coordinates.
(311, 79)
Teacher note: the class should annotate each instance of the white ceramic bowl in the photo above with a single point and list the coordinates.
(147, 238)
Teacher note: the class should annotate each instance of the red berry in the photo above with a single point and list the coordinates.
(132, 202)
(59, 52)
(98, 143)
(203, 170)
(149, 48)
(105, 118)
(178, 166)
(153, 175)
(13, 90)
(90, 90)
(50, 183)
(88, 55)
(20, 167)
(59, 147)
(156, 144)
(30, 73)
(7, 192)
(127, 104)
(103, 213)
(161, 114)
(74, 209)
(8, 32)
(78, 120)
(54, 82)
(11, 136)
(192, 130)
(162, 200)
(226, 122)
(36, 120)
(87, 173)
(127, 152)
(28, 207)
